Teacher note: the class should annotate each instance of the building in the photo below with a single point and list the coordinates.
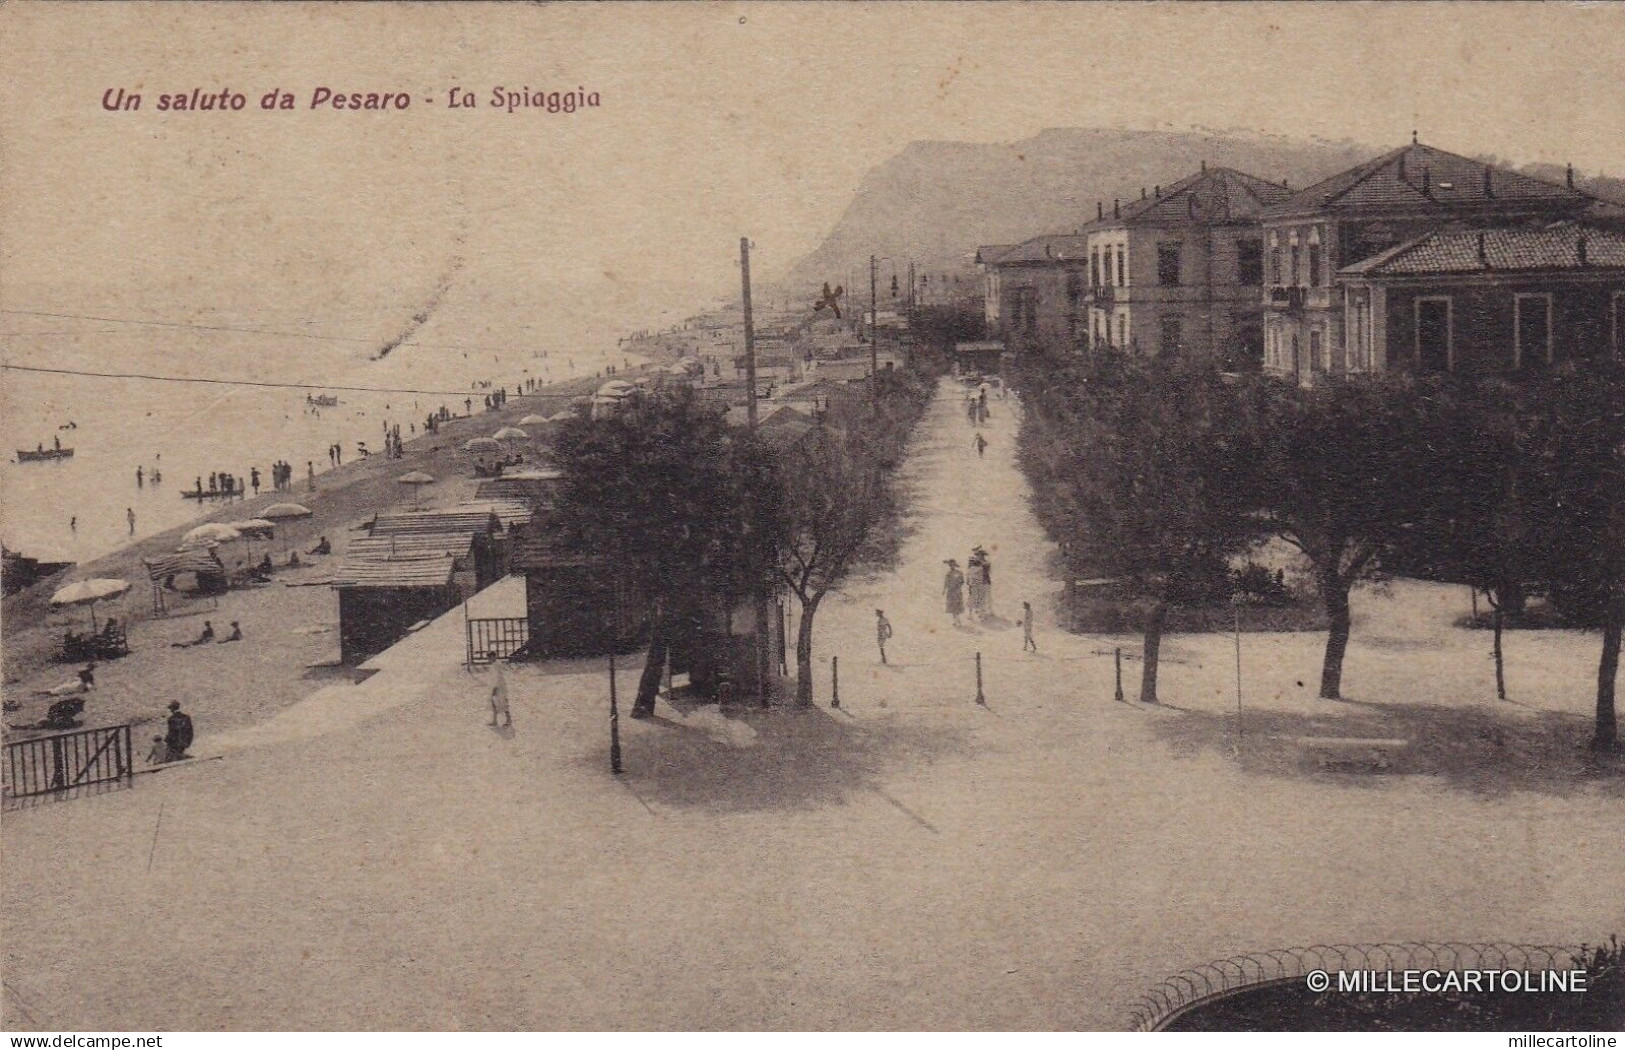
(1485, 300)
(1036, 290)
(1179, 271)
(1315, 234)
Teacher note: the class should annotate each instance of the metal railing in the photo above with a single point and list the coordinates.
(496, 638)
(1189, 989)
(59, 764)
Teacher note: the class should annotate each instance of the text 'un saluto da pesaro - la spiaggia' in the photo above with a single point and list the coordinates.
(225, 100)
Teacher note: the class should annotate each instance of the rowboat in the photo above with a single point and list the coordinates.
(41, 455)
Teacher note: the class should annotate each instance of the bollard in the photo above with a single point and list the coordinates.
(1119, 696)
(835, 681)
(980, 699)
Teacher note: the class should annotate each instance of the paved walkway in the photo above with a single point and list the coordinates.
(910, 861)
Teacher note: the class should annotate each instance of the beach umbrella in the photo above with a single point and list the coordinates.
(615, 388)
(89, 592)
(510, 434)
(533, 420)
(278, 511)
(559, 417)
(208, 534)
(482, 445)
(254, 526)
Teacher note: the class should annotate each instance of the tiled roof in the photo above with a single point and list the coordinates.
(540, 548)
(1055, 247)
(990, 253)
(509, 510)
(1424, 178)
(1213, 195)
(409, 545)
(453, 520)
(1555, 248)
(432, 570)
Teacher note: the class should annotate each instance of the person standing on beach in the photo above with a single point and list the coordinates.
(73, 524)
(254, 479)
(1027, 643)
(499, 700)
(310, 474)
(179, 735)
(953, 591)
(981, 445)
(883, 632)
(139, 477)
(129, 516)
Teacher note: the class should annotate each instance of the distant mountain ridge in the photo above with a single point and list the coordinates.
(934, 202)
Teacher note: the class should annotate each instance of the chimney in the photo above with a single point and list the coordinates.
(1142, 193)
(1100, 209)
(1413, 136)
(1489, 181)
(1117, 210)
(1158, 191)
(1483, 256)
(1571, 176)
(1580, 246)
(1204, 166)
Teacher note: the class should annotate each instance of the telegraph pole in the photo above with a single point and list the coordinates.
(750, 334)
(750, 423)
(874, 319)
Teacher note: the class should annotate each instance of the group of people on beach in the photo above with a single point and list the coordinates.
(177, 738)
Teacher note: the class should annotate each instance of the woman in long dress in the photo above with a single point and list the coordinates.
(977, 588)
(953, 590)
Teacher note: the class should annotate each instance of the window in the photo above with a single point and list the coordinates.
(1172, 335)
(1314, 266)
(1094, 268)
(1122, 270)
(1296, 276)
(1433, 334)
(1275, 267)
(1532, 327)
(1168, 263)
(1122, 330)
(1100, 340)
(1250, 262)
(1106, 269)
(1074, 288)
(1317, 347)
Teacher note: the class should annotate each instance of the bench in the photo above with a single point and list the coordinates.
(1361, 752)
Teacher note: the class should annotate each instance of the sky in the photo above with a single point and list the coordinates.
(716, 121)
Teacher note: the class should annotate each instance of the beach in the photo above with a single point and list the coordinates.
(290, 646)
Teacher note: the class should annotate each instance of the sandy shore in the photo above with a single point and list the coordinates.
(290, 626)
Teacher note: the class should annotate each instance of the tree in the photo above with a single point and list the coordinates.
(834, 492)
(1150, 466)
(1339, 471)
(677, 503)
(1575, 501)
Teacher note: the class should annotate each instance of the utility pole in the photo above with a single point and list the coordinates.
(750, 335)
(874, 350)
(761, 654)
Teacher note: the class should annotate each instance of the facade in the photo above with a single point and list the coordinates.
(1180, 270)
(1318, 232)
(1483, 301)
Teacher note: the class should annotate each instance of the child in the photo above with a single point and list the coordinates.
(882, 632)
(1027, 643)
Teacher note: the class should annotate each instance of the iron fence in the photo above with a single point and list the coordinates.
(496, 638)
(62, 763)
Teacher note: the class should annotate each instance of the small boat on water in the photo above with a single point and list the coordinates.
(42, 455)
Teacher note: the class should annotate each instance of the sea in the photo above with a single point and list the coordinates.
(384, 370)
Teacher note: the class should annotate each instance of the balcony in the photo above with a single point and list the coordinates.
(1289, 298)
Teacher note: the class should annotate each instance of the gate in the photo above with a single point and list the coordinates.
(56, 765)
(496, 638)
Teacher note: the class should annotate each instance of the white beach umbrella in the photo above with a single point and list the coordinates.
(89, 592)
(533, 420)
(510, 434)
(278, 511)
(208, 534)
(482, 445)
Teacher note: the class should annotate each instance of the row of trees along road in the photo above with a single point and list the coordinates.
(695, 516)
(1156, 471)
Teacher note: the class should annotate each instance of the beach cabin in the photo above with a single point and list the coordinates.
(382, 598)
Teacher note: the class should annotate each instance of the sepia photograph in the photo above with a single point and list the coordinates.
(780, 517)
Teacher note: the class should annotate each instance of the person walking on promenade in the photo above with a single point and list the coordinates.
(129, 516)
(179, 735)
(976, 584)
(981, 445)
(1027, 643)
(499, 700)
(882, 632)
(953, 591)
(140, 476)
